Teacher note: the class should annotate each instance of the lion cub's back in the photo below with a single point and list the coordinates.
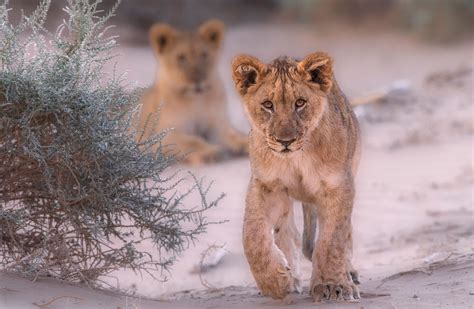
(350, 124)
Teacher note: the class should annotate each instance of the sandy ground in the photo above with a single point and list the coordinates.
(413, 219)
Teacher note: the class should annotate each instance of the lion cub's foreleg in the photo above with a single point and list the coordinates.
(288, 241)
(266, 227)
(331, 258)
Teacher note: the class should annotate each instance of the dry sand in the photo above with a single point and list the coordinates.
(413, 218)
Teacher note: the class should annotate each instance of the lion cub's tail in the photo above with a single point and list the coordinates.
(309, 231)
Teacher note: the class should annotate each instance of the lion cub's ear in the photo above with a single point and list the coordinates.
(212, 31)
(162, 37)
(317, 67)
(246, 72)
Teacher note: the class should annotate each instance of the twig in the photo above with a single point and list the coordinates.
(202, 268)
(55, 299)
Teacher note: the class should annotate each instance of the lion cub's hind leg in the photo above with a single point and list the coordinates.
(352, 273)
(310, 219)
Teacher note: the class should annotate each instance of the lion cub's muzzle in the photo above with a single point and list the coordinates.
(285, 145)
(196, 88)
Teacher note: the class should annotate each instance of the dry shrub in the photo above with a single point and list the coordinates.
(78, 195)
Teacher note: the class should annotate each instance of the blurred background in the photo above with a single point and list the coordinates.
(391, 39)
(414, 205)
(435, 20)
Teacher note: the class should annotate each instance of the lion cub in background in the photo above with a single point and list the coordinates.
(189, 94)
(304, 145)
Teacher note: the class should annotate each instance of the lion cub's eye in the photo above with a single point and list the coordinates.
(181, 58)
(268, 105)
(204, 55)
(300, 103)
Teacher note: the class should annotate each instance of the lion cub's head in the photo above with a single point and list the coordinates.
(285, 99)
(188, 58)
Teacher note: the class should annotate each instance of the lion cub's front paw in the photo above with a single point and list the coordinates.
(240, 147)
(277, 283)
(209, 154)
(238, 144)
(344, 290)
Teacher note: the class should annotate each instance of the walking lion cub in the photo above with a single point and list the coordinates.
(189, 95)
(304, 145)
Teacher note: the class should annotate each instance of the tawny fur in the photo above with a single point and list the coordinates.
(188, 94)
(304, 145)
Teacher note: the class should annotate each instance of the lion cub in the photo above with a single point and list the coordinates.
(189, 94)
(304, 145)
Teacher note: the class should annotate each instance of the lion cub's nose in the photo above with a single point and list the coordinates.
(286, 143)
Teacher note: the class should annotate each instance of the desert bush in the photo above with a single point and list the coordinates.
(78, 195)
